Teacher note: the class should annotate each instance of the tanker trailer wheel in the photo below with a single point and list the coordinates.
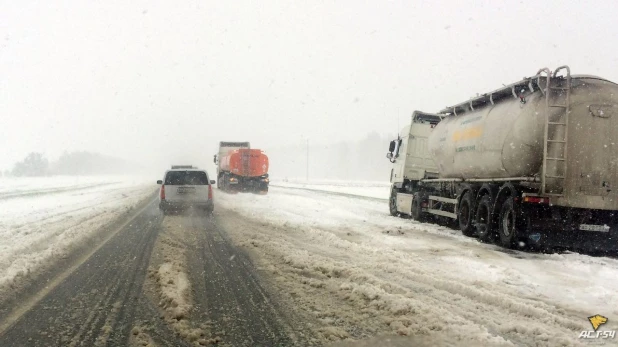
(507, 223)
(465, 215)
(392, 203)
(484, 221)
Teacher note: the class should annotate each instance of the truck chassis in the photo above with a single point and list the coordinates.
(508, 212)
(232, 183)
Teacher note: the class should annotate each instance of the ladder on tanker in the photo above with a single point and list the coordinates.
(557, 97)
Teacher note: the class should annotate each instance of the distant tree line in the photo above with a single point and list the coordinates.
(74, 163)
(35, 164)
(87, 163)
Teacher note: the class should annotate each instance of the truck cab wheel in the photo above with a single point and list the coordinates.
(485, 229)
(417, 207)
(507, 223)
(392, 203)
(465, 215)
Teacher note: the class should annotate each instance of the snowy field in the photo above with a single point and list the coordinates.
(41, 219)
(371, 189)
(430, 275)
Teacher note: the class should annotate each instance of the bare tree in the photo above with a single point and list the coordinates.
(35, 164)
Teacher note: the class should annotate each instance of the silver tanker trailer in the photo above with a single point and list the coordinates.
(534, 163)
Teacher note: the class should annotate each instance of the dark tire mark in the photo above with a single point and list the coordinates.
(96, 304)
(104, 298)
(228, 293)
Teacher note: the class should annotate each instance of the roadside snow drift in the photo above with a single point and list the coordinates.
(377, 190)
(41, 219)
(416, 278)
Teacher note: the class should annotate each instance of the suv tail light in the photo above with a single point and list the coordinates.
(209, 192)
(162, 192)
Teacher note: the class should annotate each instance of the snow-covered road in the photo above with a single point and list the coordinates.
(410, 278)
(334, 259)
(43, 219)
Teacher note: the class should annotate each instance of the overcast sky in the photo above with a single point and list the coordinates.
(166, 80)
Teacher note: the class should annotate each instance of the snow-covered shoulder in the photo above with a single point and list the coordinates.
(42, 219)
(370, 189)
(427, 269)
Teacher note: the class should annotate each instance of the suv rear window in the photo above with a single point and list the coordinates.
(181, 178)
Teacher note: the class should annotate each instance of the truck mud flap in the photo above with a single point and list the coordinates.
(574, 240)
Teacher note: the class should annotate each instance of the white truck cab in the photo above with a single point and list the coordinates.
(412, 162)
(409, 153)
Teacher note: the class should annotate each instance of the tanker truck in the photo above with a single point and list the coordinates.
(241, 168)
(533, 164)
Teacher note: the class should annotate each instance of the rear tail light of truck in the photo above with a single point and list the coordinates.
(162, 193)
(536, 200)
(209, 192)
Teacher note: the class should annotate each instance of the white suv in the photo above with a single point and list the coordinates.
(183, 188)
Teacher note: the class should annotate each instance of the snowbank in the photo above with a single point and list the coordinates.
(41, 219)
(420, 277)
(371, 189)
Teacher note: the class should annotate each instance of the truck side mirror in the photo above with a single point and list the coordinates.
(215, 159)
(391, 147)
(389, 155)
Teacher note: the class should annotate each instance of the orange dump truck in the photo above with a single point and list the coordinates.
(241, 168)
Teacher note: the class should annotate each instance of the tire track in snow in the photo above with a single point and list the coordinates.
(94, 305)
(401, 294)
(230, 296)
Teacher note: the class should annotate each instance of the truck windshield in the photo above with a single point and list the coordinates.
(179, 178)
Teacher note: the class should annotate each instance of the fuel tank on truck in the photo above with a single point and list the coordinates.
(495, 141)
(507, 140)
(245, 162)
